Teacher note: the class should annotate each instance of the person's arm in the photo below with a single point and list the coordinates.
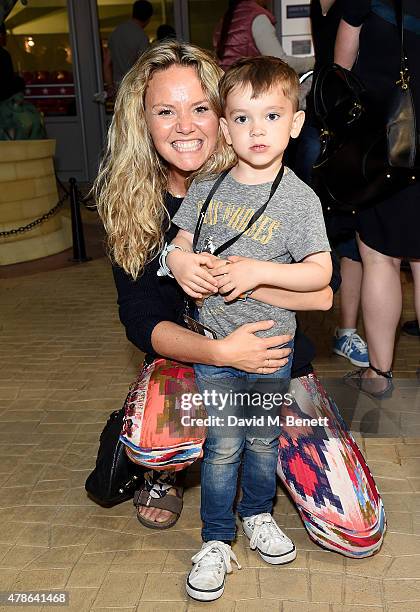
(149, 309)
(241, 349)
(312, 274)
(308, 300)
(267, 43)
(188, 268)
(294, 300)
(346, 44)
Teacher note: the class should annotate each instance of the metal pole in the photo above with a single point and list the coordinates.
(79, 250)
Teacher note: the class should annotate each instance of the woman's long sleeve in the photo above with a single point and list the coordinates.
(267, 43)
(145, 302)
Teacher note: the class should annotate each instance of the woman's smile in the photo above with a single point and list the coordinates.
(187, 145)
(182, 124)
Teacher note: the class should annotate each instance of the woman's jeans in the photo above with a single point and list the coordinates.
(225, 445)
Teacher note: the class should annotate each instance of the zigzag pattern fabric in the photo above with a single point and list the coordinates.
(327, 477)
(322, 468)
(152, 432)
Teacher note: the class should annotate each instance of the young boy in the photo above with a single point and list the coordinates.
(260, 106)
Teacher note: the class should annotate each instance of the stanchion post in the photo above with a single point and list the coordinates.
(79, 249)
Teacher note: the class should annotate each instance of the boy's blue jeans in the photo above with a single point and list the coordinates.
(225, 447)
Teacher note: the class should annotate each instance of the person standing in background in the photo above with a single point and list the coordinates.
(247, 30)
(368, 42)
(325, 19)
(126, 43)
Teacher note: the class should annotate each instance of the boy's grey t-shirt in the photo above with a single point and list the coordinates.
(291, 228)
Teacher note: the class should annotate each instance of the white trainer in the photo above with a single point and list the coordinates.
(266, 536)
(206, 580)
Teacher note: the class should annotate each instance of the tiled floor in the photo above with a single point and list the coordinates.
(65, 365)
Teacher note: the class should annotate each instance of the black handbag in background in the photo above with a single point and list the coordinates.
(363, 162)
(114, 478)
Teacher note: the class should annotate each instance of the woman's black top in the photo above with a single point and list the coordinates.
(324, 31)
(150, 299)
(392, 226)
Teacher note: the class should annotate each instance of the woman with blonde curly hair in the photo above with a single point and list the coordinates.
(165, 129)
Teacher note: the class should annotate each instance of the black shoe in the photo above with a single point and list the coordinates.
(370, 386)
(411, 328)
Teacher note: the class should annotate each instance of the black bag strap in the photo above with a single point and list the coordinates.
(404, 74)
(399, 15)
(205, 207)
(253, 219)
(353, 83)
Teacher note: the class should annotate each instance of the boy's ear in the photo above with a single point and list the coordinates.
(225, 130)
(297, 123)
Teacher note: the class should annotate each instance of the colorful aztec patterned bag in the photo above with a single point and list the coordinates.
(155, 428)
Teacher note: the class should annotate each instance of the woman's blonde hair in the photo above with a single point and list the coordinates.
(132, 179)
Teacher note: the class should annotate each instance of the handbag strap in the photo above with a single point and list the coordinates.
(404, 74)
(353, 83)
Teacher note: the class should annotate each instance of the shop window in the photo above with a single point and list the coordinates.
(38, 41)
(204, 17)
(113, 12)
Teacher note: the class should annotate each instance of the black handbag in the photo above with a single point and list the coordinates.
(363, 162)
(114, 478)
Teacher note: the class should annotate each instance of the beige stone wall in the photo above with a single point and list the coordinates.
(27, 191)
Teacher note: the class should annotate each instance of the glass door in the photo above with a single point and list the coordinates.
(112, 13)
(40, 44)
(204, 15)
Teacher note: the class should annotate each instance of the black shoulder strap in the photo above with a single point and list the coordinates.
(400, 21)
(253, 219)
(404, 74)
(205, 207)
(255, 216)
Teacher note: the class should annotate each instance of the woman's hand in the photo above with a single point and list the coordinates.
(243, 350)
(238, 275)
(190, 272)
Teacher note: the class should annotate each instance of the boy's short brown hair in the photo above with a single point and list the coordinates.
(262, 74)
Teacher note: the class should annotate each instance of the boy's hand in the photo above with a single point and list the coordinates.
(238, 275)
(212, 265)
(190, 272)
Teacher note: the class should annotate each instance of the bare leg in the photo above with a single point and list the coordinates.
(351, 282)
(156, 514)
(415, 269)
(381, 306)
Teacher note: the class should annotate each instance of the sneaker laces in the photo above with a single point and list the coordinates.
(265, 527)
(216, 554)
(358, 342)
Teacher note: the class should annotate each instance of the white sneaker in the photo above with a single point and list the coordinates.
(266, 536)
(206, 580)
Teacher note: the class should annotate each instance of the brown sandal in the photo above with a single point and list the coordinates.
(172, 503)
